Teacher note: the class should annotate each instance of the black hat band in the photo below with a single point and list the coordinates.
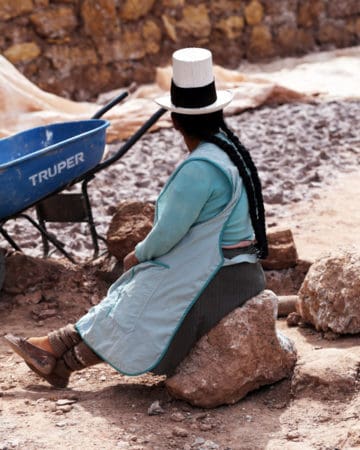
(198, 97)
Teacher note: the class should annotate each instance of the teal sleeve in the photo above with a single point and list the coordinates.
(181, 204)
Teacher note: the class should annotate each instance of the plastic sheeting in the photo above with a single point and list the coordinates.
(335, 74)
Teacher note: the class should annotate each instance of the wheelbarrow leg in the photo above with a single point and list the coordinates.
(90, 218)
(9, 239)
(56, 243)
(45, 242)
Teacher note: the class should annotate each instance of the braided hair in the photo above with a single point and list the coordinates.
(205, 127)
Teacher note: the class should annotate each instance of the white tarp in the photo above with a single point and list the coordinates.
(331, 74)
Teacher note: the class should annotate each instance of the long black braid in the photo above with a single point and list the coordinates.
(205, 127)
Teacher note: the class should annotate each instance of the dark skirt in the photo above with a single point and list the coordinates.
(229, 289)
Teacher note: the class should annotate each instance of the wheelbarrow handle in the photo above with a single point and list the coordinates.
(128, 144)
(109, 105)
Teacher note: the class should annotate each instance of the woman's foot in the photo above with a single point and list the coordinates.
(42, 342)
(39, 360)
(42, 360)
(58, 378)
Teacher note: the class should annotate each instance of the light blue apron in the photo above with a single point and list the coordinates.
(132, 327)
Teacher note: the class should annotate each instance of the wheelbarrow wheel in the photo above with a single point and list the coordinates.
(2, 269)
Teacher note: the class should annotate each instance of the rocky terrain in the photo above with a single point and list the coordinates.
(298, 149)
(308, 158)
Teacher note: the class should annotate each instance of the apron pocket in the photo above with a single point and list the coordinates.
(135, 295)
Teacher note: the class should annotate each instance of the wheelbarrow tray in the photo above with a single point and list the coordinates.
(40, 161)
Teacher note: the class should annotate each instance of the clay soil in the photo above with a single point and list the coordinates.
(102, 409)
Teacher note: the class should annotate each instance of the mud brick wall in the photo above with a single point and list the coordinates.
(79, 48)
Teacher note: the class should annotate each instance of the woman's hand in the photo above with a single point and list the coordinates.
(130, 260)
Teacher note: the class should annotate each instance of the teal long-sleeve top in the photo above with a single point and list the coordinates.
(198, 192)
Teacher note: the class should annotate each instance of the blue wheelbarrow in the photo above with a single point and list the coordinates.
(37, 164)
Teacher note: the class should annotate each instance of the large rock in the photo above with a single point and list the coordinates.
(310, 11)
(327, 374)
(170, 27)
(129, 225)
(152, 37)
(330, 294)
(261, 43)
(282, 250)
(232, 26)
(55, 23)
(130, 45)
(254, 12)
(10, 8)
(131, 10)
(100, 18)
(243, 352)
(65, 57)
(196, 21)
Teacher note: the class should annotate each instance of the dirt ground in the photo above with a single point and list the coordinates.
(308, 158)
(104, 410)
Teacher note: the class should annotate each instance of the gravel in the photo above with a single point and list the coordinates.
(298, 149)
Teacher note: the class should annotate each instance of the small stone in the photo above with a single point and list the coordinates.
(293, 319)
(155, 409)
(65, 401)
(43, 314)
(205, 426)
(180, 432)
(103, 378)
(65, 408)
(198, 441)
(293, 435)
(331, 336)
(61, 424)
(211, 445)
(22, 53)
(177, 417)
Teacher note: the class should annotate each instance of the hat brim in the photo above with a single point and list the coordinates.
(223, 99)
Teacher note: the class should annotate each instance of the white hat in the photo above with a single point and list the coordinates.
(193, 86)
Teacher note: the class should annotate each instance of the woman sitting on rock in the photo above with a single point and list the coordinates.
(198, 263)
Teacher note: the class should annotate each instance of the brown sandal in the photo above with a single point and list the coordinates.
(39, 360)
(56, 379)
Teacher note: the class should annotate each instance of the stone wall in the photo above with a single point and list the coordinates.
(79, 48)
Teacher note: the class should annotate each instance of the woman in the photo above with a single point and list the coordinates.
(198, 263)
